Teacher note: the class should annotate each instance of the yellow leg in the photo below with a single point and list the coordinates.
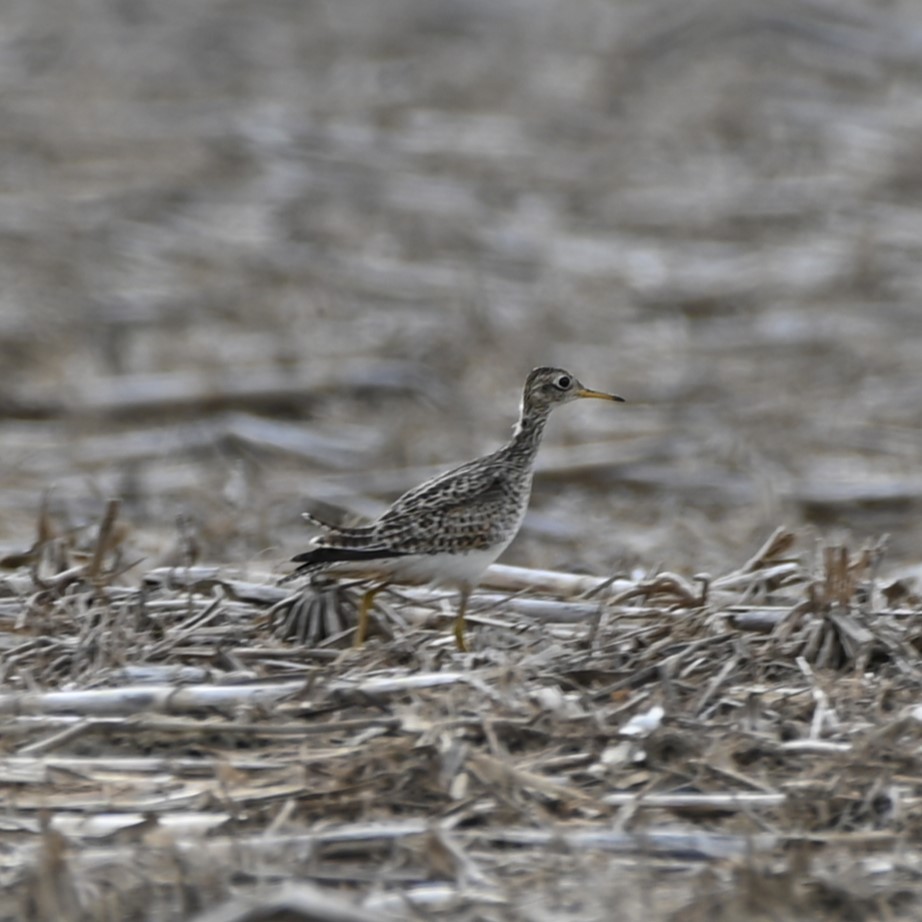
(361, 629)
(459, 621)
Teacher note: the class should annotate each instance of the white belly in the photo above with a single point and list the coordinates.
(444, 569)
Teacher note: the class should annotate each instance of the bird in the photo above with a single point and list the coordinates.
(449, 529)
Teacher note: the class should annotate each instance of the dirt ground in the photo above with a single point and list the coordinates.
(257, 254)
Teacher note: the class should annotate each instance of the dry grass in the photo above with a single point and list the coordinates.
(726, 748)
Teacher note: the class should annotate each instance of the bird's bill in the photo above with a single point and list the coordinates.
(585, 392)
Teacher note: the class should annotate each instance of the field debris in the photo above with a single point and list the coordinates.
(162, 744)
(258, 257)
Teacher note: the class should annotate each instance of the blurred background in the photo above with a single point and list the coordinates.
(253, 252)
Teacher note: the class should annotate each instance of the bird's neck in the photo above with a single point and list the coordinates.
(526, 436)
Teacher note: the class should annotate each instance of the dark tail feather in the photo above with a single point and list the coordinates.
(322, 556)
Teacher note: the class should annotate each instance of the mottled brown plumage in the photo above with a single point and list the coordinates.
(451, 528)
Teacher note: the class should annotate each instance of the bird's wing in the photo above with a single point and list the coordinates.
(464, 509)
(333, 518)
(340, 545)
(466, 484)
(338, 531)
(466, 504)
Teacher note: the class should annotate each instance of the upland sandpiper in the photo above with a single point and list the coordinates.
(448, 530)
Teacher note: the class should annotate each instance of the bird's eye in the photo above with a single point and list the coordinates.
(564, 382)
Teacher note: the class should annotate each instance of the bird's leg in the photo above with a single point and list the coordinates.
(361, 629)
(459, 620)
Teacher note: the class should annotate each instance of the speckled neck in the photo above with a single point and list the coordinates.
(526, 436)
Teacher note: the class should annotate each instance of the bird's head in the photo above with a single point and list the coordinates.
(546, 388)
